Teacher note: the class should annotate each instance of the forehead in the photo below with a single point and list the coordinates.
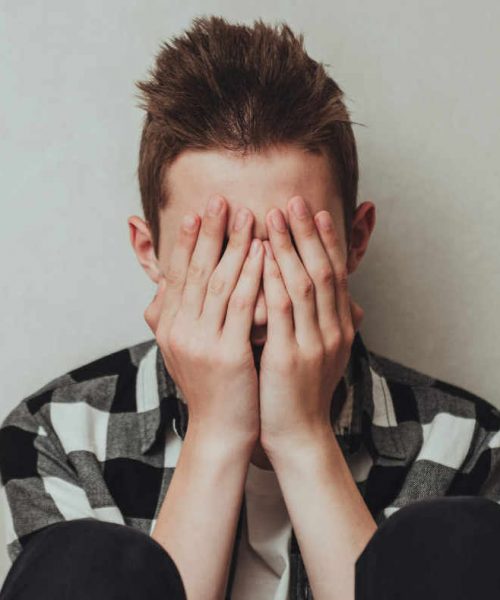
(259, 180)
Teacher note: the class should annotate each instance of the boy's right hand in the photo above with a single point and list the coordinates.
(202, 316)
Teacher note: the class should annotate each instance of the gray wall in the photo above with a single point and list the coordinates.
(423, 78)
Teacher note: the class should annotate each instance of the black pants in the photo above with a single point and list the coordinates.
(443, 548)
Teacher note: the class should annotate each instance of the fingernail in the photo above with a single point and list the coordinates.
(325, 221)
(278, 221)
(299, 207)
(189, 223)
(214, 206)
(255, 247)
(241, 218)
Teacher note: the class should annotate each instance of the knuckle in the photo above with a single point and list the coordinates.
(324, 275)
(334, 239)
(310, 232)
(343, 278)
(283, 244)
(229, 357)
(315, 353)
(196, 271)
(285, 362)
(239, 302)
(174, 277)
(216, 284)
(274, 271)
(304, 288)
(336, 339)
(235, 242)
(187, 347)
(197, 352)
(284, 305)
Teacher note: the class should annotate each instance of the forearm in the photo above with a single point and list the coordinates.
(197, 520)
(330, 518)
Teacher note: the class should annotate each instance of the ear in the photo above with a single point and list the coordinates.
(363, 224)
(142, 244)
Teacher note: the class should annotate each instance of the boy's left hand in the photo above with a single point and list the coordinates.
(311, 322)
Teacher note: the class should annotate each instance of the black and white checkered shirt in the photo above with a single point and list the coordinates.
(101, 441)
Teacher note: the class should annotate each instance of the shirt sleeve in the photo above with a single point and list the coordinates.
(486, 469)
(38, 486)
(480, 475)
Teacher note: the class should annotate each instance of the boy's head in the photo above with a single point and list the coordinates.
(243, 112)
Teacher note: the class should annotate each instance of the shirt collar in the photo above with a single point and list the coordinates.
(362, 408)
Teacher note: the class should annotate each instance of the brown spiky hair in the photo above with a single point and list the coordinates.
(244, 89)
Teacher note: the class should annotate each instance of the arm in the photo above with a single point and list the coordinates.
(201, 317)
(198, 517)
(330, 518)
(303, 361)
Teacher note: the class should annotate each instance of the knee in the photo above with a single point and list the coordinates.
(103, 559)
(449, 535)
(86, 543)
(448, 517)
(443, 520)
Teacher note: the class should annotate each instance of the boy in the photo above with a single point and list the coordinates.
(298, 442)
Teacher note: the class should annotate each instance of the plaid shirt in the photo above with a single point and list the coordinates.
(102, 440)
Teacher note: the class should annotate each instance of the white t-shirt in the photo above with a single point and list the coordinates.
(263, 566)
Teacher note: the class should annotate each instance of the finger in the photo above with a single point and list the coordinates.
(280, 324)
(298, 284)
(331, 241)
(153, 312)
(239, 317)
(223, 280)
(357, 313)
(316, 262)
(205, 256)
(178, 264)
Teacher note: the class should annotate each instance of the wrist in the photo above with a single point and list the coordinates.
(218, 444)
(307, 443)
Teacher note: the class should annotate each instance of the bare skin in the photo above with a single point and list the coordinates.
(209, 478)
(201, 318)
(311, 325)
(259, 182)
